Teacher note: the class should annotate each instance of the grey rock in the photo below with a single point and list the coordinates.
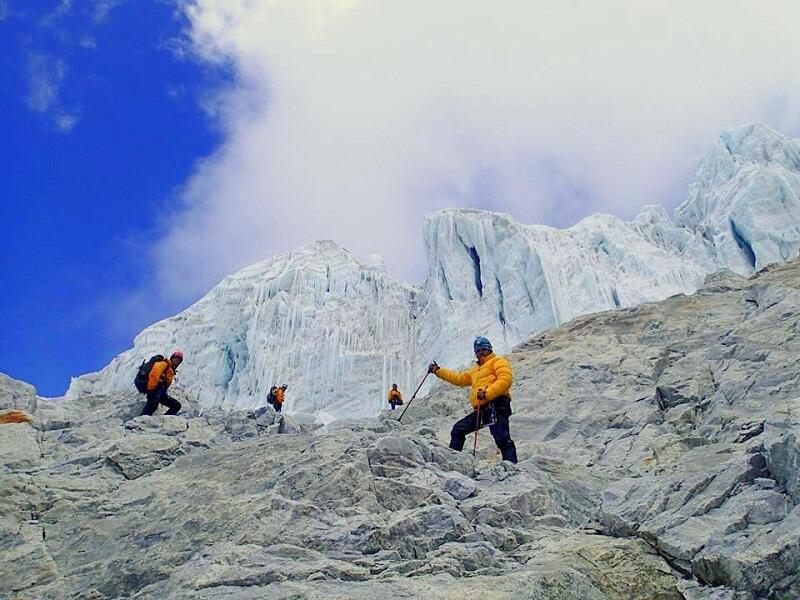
(137, 455)
(765, 564)
(659, 459)
(239, 426)
(19, 448)
(229, 564)
(162, 424)
(25, 563)
(692, 590)
(782, 449)
(288, 424)
(459, 486)
(17, 395)
(199, 433)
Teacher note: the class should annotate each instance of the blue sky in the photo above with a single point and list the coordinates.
(151, 147)
(101, 122)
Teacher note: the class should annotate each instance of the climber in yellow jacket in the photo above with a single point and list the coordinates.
(490, 380)
(395, 397)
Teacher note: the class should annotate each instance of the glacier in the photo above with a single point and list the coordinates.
(340, 332)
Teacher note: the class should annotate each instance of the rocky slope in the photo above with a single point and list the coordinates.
(659, 458)
(340, 332)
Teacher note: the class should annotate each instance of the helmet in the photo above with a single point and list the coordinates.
(177, 354)
(481, 342)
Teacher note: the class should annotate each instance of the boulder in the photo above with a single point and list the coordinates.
(17, 395)
(138, 455)
(19, 448)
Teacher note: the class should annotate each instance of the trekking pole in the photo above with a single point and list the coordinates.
(414, 396)
(477, 427)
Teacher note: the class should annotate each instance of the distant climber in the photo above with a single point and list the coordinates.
(279, 395)
(491, 380)
(161, 374)
(395, 397)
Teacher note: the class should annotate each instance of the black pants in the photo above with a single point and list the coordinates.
(159, 396)
(395, 403)
(499, 429)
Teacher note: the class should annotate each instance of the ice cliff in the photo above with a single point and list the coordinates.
(339, 332)
(314, 318)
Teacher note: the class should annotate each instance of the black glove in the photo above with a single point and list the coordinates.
(433, 367)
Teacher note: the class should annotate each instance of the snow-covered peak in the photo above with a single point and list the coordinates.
(320, 253)
(758, 144)
(738, 149)
(745, 200)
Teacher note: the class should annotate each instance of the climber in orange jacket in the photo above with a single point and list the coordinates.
(395, 397)
(491, 380)
(161, 375)
(278, 396)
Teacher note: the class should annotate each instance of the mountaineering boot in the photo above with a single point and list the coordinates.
(509, 451)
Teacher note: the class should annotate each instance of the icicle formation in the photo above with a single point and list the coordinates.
(336, 332)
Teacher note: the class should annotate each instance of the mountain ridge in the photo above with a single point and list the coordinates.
(487, 274)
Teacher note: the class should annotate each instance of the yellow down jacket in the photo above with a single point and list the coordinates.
(493, 374)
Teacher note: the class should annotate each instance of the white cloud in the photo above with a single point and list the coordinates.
(47, 71)
(87, 42)
(57, 13)
(352, 119)
(102, 9)
(66, 122)
(45, 75)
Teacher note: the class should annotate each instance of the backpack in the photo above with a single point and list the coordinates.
(271, 397)
(143, 374)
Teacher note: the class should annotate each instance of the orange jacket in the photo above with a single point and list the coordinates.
(278, 395)
(162, 372)
(493, 374)
(395, 394)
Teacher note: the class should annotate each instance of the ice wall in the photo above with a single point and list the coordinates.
(491, 275)
(337, 332)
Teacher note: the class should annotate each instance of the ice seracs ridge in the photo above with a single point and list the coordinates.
(340, 332)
